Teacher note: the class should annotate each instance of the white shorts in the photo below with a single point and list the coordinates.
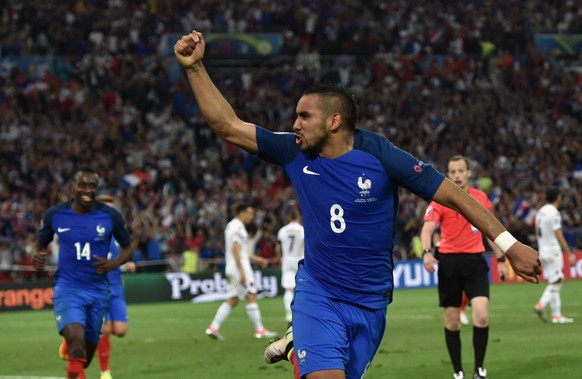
(288, 279)
(288, 271)
(236, 289)
(553, 264)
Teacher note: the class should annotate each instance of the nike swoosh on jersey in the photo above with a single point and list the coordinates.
(62, 230)
(307, 171)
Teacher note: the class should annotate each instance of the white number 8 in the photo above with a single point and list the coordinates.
(337, 212)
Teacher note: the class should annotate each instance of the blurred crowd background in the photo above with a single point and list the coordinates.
(436, 77)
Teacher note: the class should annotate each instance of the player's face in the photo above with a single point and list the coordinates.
(459, 173)
(310, 125)
(85, 189)
(248, 215)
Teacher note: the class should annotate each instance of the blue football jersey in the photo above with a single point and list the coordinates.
(349, 206)
(114, 276)
(81, 237)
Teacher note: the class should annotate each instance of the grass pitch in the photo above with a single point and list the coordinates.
(166, 340)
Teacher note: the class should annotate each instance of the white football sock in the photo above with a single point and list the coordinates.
(556, 300)
(287, 298)
(254, 314)
(221, 315)
(546, 296)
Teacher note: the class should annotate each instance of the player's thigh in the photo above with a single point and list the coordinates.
(237, 289)
(367, 332)
(250, 285)
(69, 306)
(330, 335)
(96, 312)
(78, 306)
(232, 286)
(553, 265)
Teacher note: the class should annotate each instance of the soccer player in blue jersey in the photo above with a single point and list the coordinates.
(85, 229)
(347, 182)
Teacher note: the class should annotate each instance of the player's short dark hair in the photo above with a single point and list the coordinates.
(86, 170)
(552, 194)
(337, 99)
(241, 208)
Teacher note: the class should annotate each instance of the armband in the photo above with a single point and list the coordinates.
(504, 241)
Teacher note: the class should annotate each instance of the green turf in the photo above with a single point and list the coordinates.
(167, 340)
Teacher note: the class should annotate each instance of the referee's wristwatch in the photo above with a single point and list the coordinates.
(427, 250)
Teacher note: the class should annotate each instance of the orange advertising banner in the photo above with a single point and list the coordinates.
(33, 295)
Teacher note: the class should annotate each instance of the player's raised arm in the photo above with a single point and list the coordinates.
(524, 260)
(217, 112)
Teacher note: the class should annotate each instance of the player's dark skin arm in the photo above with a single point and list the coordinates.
(38, 256)
(104, 265)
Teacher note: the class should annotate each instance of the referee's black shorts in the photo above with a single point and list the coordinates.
(460, 272)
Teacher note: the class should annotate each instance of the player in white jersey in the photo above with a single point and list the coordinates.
(290, 249)
(241, 278)
(551, 245)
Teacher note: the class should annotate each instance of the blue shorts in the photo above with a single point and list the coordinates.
(79, 306)
(117, 305)
(333, 335)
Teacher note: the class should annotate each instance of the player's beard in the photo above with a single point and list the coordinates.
(317, 142)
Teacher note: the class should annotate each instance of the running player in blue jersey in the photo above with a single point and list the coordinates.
(116, 320)
(85, 229)
(347, 183)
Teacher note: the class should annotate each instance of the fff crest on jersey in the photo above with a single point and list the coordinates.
(100, 231)
(364, 185)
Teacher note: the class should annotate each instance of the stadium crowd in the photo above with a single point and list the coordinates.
(436, 77)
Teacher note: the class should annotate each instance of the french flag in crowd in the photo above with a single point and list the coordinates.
(524, 211)
(134, 179)
(494, 198)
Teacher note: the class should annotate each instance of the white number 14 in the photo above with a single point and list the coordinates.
(83, 251)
